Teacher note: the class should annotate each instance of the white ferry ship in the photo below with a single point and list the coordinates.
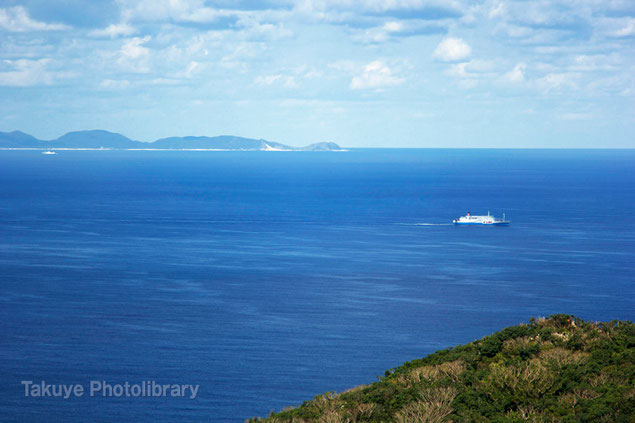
(48, 152)
(470, 219)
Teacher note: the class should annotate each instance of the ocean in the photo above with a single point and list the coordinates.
(267, 278)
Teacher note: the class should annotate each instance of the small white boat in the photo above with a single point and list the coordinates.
(471, 219)
(48, 152)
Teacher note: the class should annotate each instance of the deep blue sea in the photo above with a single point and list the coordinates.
(268, 278)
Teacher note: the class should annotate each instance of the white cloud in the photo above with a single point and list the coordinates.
(595, 62)
(459, 69)
(473, 68)
(557, 81)
(380, 34)
(393, 26)
(114, 84)
(290, 78)
(176, 10)
(287, 81)
(252, 28)
(163, 81)
(498, 9)
(376, 75)
(367, 5)
(133, 56)
(517, 74)
(627, 28)
(114, 31)
(267, 80)
(134, 49)
(393, 29)
(309, 73)
(546, 14)
(452, 50)
(17, 19)
(193, 68)
(26, 73)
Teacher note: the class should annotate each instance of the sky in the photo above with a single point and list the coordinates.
(367, 73)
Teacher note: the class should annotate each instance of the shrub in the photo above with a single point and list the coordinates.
(556, 369)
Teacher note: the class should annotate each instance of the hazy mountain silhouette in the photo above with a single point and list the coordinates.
(106, 139)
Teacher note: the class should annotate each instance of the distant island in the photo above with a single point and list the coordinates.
(559, 369)
(100, 139)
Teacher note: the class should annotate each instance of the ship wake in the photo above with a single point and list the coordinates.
(426, 224)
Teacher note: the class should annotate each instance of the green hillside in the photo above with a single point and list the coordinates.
(558, 369)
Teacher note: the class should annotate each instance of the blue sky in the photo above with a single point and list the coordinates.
(390, 73)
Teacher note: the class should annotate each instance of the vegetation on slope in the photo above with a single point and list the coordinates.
(559, 369)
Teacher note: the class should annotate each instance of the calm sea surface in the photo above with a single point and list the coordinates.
(268, 278)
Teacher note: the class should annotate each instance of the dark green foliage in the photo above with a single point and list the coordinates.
(560, 369)
(491, 346)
